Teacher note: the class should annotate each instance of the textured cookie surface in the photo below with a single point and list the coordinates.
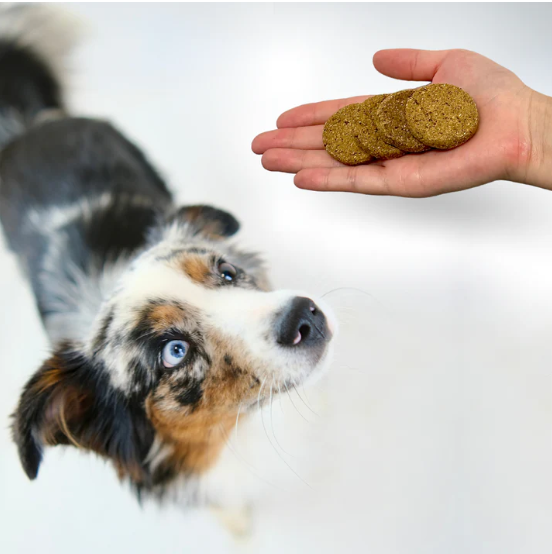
(390, 118)
(369, 136)
(442, 116)
(340, 132)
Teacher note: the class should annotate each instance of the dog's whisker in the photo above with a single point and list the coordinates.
(259, 394)
(237, 421)
(279, 455)
(272, 423)
(305, 392)
(301, 398)
(339, 289)
(280, 398)
(308, 402)
(249, 467)
(293, 404)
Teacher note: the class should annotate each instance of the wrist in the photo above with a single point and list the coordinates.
(534, 162)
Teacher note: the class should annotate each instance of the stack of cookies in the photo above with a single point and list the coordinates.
(389, 126)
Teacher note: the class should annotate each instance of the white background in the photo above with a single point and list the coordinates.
(436, 434)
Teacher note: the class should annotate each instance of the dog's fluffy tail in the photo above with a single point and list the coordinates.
(34, 42)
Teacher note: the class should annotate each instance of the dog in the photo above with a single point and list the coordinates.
(163, 330)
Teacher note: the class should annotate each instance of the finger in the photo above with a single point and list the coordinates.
(364, 179)
(301, 138)
(417, 176)
(292, 161)
(408, 64)
(314, 114)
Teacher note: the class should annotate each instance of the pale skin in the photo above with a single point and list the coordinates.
(513, 142)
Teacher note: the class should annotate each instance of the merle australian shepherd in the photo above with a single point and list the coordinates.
(162, 329)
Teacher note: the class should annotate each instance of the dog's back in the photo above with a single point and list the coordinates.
(76, 197)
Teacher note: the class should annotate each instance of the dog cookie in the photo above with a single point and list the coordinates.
(442, 116)
(391, 122)
(369, 136)
(340, 132)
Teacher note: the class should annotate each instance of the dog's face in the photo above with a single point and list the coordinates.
(191, 336)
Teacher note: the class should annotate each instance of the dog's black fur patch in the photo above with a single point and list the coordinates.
(70, 401)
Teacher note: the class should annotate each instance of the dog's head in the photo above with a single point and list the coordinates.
(190, 336)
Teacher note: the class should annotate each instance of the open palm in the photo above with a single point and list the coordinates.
(495, 152)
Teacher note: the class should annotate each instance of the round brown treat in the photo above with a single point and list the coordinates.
(339, 135)
(442, 116)
(370, 138)
(390, 120)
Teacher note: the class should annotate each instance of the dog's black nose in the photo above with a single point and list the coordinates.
(302, 323)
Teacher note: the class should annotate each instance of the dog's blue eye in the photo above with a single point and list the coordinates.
(174, 352)
(227, 271)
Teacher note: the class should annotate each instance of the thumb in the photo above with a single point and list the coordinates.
(408, 64)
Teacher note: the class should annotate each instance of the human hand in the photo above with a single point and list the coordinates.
(513, 142)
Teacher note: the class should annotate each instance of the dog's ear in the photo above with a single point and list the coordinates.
(70, 401)
(211, 222)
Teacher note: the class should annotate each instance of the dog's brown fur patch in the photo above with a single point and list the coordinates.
(50, 377)
(196, 268)
(197, 438)
(198, 432)
(165, 316)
